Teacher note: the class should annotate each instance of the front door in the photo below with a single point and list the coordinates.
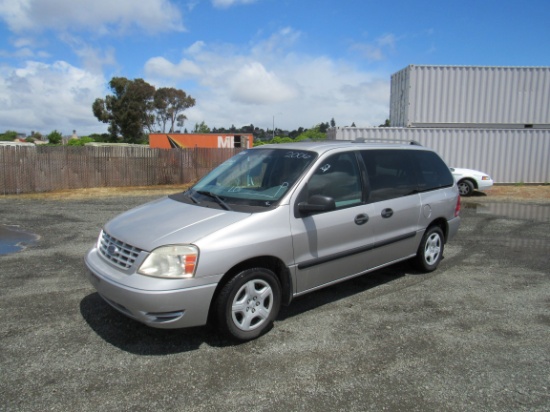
(333, 245)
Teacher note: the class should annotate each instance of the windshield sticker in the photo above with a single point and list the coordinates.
(283, 186)
(297, 155)
(325, 168)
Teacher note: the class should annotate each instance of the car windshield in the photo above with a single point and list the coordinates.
(255, 177)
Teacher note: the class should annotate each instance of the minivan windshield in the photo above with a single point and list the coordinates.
(254, 177)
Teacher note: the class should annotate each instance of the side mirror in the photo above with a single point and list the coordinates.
(317, 204)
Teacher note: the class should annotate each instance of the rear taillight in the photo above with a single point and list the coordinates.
(457, 208)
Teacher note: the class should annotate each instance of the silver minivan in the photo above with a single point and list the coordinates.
(270, 224)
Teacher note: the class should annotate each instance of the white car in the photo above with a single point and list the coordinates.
(469, 180)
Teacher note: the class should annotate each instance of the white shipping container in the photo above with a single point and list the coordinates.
(470, 96)
(508, 155)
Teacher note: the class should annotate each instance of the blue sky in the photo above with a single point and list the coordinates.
(294, 62)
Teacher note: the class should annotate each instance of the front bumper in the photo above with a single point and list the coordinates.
(484, 184)
(167, 309)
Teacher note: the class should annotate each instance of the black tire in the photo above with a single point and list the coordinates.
(248, 304)
(430, 251)
(465, 188)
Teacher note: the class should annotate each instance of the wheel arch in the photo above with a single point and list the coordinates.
(442, 224)
(267, 262)
(469, 179)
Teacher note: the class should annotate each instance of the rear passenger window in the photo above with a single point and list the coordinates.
(390, 173)
(338, 177)
(433, 172)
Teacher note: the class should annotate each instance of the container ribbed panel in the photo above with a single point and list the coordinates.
(467, 95)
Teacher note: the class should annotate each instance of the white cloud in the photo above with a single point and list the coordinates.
(253, 84)
(195, 48)
(93, 58)
(160, 67)
(43, 97)
(99, 16)
(387, 40)
(378, 49)
(21, 53)
(278, 43)
(261, 82)
(229, 3)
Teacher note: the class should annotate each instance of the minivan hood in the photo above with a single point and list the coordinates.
(166, 221)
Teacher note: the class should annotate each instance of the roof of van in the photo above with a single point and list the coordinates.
(324, 146)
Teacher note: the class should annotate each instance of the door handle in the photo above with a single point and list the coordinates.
(387, 213)
(361, 219)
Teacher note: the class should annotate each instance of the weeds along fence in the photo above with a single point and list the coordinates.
(27, 169)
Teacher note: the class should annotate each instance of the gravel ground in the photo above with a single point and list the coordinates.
(472, 336)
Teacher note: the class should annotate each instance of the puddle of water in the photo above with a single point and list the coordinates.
(521, 211)
(12, 239)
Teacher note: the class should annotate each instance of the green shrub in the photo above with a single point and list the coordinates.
(8, 136)
(55, 137)
(80, 142)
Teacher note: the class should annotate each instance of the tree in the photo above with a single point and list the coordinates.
(386, 123)
(313, 134)
(201, 128)
(247, 129)
(332, 122)
(323, 127)
(168, 105)
(55, 137)
(129, 110)
(8, 136)
(104, 137)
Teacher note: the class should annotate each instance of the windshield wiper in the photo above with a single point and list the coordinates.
(190, 196)
(215, 197)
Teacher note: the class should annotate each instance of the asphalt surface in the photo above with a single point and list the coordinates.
(472, 336)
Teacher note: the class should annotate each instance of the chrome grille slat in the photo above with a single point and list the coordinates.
(117, 252)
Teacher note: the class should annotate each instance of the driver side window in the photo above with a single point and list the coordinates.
(338, 177)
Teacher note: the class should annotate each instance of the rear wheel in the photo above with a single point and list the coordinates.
(465, 187)
(248, 304)
(430, 251)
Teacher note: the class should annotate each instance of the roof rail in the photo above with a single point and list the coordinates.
(383, 140)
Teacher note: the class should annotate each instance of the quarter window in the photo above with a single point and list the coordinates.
(434, 173)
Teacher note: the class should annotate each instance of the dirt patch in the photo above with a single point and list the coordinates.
(77, 194)
(539, 193)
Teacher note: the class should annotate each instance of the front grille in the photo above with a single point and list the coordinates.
(121, 254)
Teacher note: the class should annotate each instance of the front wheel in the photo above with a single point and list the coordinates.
(248, 304)
(465, 188)
(430, 251)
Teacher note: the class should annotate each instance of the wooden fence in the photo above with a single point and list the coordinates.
(27, 169)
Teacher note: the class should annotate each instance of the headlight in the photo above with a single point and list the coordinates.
(173, 262)
(485, 178)
(98, 243)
